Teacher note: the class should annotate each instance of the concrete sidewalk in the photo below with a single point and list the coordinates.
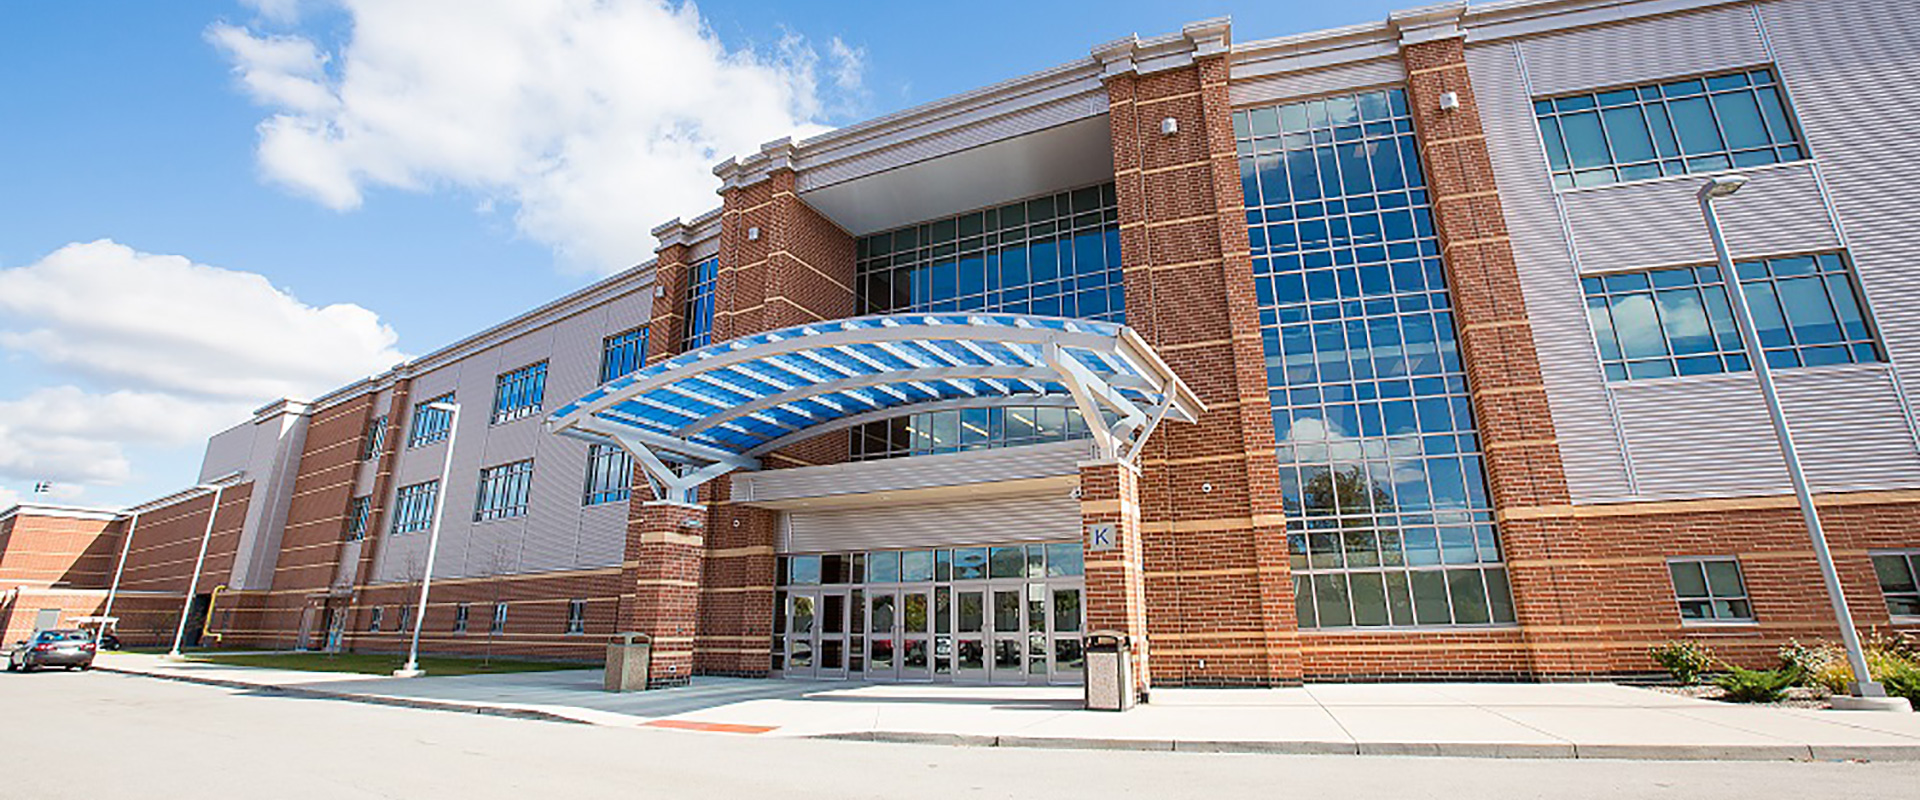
(1587, 720)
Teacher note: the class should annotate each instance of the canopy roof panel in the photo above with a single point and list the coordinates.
(731, 402)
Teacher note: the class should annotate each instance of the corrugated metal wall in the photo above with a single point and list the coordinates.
(1018, 518)
(1293, 85)
(1695, 437)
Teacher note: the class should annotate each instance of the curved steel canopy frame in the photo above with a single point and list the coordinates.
(722, 407)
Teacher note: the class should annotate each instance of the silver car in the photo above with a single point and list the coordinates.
(72, 649)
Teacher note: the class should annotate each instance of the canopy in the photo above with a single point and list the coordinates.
(721, 407)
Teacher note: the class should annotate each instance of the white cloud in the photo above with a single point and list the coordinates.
(189, 349)
(598, 120)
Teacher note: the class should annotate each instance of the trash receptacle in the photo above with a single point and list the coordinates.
(1109, 672)
(628, 660)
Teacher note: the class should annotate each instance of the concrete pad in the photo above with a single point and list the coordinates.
(1378, 694)
(1623, 727)
(1235, 698)
(1812, 730)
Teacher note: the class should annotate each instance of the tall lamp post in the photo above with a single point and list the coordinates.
(219, 489)
(412, 668)
(1866, 692)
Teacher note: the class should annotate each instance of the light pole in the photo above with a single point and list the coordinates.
(193, 584)
(106, 612)
(412, 668)
(1867, 693)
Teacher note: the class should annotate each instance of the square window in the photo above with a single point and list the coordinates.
(1710, 590)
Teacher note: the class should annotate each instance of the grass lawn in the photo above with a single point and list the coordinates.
(379, 663)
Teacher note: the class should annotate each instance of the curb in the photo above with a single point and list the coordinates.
(369, 699)
(1483, 750)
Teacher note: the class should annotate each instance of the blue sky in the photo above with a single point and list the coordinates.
(140, 123)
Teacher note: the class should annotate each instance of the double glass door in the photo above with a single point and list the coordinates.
(1013, 632)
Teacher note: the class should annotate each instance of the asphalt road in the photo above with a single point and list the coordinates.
(96, 735)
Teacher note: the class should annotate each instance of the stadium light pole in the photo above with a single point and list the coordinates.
(1864, 687)
(412, 668)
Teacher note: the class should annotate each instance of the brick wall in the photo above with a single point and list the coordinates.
(41, 551)
(1219, 604)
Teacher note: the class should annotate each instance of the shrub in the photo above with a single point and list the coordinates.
(1683, 660)
(1826, 663)
(1756, 686)
(1904, 682)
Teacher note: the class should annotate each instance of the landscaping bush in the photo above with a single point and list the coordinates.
(1904, 682)
(1825, 664)
(1756, 686)
(1683, 660)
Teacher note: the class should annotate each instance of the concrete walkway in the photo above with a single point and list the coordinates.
(1584, 720)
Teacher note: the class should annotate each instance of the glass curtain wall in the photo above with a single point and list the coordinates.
(1388, 519)
(1054, 256)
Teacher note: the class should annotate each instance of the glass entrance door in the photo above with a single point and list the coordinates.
(817, 635)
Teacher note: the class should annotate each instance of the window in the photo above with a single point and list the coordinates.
(701, 280)
(374, 618)
(1737, 119)
(373, 438)
(413, 507)
(499, 622)
(1899, 574)
(1056, 256)
(968, 429)
(503, 491)
(430, 424)
(609, 474)
(622, 353)
(1388, 520)
(519, 393)
(1710, 590)
(406, 618)
(1666, 322)
(460, 618)
(359, 513)
(576, 616)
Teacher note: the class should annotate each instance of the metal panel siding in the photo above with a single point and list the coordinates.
(1590, 447)
(1637, 225)
(1848, 68)
(1647, 49)
(1307, 83)
(227, 451)
(1013, 463)
(1027, 518)
(553, 502)
(1846, 422)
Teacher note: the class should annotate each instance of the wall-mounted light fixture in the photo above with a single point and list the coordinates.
(1449, 101)
(1169, 126)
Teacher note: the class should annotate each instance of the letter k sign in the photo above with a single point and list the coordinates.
(1100, 536)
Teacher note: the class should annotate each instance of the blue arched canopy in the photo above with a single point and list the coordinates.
(721, 407)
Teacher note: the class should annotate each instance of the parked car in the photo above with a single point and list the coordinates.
(72, 649)
(109, 641)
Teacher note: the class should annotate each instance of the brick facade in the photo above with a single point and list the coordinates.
(1200, 575)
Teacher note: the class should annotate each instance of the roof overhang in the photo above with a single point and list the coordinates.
(723, 407)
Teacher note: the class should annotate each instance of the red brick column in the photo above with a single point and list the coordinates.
(1525, 478)
(667, 324)
(660, 592)
(1116, 574)
(1215, 535)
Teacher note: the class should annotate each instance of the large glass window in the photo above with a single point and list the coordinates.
(519, 393)
(1056, 256)
(1677, 321)
(609, 474)
(373, 438)
(1738, 119)
(1899, 574)
(622, 353)
(503, 491)
(430, 424)
(358, 514)
(1710, 590)
(1380, 469)
(701, 280)
(968, 429)
(413, 507)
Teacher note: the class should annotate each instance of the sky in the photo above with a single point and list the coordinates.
(205, 206)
